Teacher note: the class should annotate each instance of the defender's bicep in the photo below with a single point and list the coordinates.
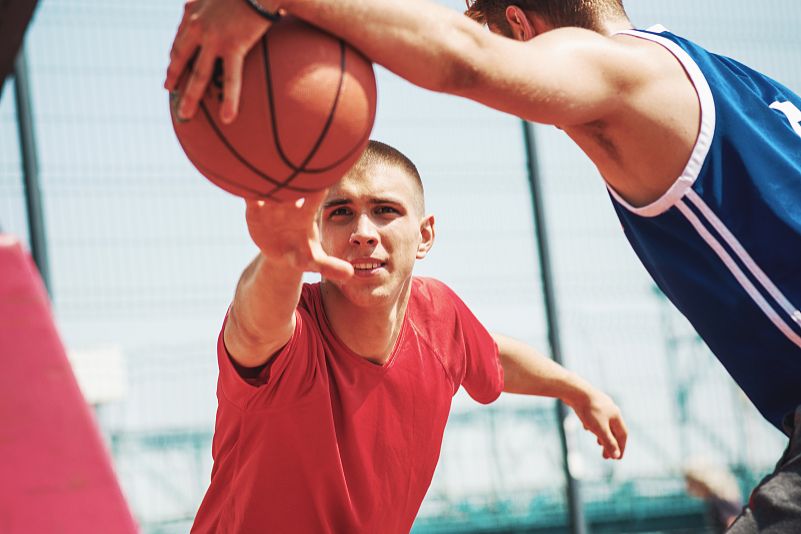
(565, 77)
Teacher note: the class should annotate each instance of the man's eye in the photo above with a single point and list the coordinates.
(340, 212)
(383, 210)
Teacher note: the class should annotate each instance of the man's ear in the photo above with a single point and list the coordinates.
(426, 236)
(521, 26)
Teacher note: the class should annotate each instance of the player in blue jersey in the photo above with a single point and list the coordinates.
(701, 154)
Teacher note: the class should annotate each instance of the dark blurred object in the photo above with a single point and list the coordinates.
(719, 490)
(14, 18)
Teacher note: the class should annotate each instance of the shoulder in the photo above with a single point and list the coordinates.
(426, 287)
(437, 310)
(430, 294)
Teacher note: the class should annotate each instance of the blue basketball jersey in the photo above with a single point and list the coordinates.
(724, 242)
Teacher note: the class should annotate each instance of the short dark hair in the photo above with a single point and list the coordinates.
(560, 13)
(378, 153)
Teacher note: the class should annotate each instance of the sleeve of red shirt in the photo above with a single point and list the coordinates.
(483, 374)
(285, 379)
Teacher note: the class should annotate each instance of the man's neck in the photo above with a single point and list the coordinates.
(370, 332)
(611, 26)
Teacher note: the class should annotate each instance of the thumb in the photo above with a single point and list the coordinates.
(329, 266)
(334, 268)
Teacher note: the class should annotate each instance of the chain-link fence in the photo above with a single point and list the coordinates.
(145, 255)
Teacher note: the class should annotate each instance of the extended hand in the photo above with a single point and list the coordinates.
(212, 29)
(600, 415)
(287, 232)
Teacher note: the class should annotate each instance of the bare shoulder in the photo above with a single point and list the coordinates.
(654, 61)
(645, 139)
(613, 53)
(626, 57)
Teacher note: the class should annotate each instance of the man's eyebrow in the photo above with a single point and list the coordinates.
(374, 200)
(336, 202)
(385, 200)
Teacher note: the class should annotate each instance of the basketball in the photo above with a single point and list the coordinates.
(305, 114)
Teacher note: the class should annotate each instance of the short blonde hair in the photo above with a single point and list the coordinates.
(378, 153)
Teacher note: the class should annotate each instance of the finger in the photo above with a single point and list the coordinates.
(621, 433)
(608, 441)
(232, 86)
(334, 269)
(183, 24)
(183, 49)
(330, 267)
(196, 87)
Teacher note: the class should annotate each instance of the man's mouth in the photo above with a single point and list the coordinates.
(366, 265)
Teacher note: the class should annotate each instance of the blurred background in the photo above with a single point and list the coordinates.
(144, 255)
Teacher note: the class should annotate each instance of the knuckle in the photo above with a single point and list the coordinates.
(200, 71)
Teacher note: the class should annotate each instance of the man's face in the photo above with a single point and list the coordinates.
(372, 218)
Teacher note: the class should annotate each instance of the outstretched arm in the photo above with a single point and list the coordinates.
(262, 315)
(567, 76)
(530, 373)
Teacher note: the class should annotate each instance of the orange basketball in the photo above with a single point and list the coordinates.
(305, 115)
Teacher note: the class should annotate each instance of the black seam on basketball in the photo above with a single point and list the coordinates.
(243, 161)
(268, 78)
(273, 121)
(328, 121)
(202, 168)
(235, 153)
(236, 185)
(273, 115)
(350, 152)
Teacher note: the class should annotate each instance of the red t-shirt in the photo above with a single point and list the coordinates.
(324, 441)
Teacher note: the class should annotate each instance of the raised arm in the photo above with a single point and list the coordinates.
(565, 77)
(262, 315)
(530, 373)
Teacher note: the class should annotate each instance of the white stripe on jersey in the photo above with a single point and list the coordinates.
(745, 258)
(747, 285)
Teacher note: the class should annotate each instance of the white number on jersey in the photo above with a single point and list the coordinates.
(793, 114)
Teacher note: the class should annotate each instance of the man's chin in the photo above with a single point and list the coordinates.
(367, 296)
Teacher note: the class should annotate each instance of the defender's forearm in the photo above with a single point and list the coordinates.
(528, 372)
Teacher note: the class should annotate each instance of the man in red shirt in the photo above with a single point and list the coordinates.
(333, 397)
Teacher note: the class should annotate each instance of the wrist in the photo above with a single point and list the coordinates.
(277, 264)
(263, 10)
(577, 393)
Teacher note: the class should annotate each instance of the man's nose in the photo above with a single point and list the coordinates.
(365, 232)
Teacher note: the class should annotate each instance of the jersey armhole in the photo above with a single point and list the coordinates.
(703, 141)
